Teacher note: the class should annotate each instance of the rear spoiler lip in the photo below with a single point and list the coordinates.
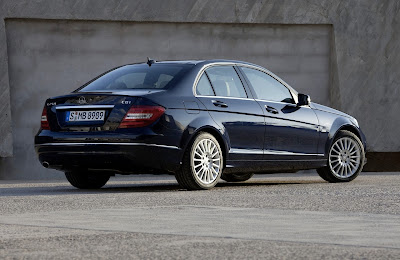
(121, 92)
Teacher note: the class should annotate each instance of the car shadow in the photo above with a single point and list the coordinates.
(65, 189)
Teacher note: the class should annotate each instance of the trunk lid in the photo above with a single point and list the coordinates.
(87, 112)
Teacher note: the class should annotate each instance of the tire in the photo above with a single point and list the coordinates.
(202, 163)
(87, 180)
(236, 177)
(346, 158)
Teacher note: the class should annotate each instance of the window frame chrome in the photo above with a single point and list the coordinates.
(203, 71)
(292, 91)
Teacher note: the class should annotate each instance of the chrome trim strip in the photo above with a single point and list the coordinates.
(126, 144)
(216, 97)
(283, 103)
(269, 152)
(273, 152)
(246, 151)
(84, 106)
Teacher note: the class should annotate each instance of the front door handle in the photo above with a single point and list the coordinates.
(219, 103)
(271, 110)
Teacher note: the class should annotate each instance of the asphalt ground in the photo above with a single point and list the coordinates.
(280, 216)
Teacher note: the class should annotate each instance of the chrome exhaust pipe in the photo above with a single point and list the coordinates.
(45, 164)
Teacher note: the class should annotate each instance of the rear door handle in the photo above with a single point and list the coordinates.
(271, 109)
(219, 103)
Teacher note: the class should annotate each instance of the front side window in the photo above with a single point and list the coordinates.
(226, 82)
(266, 87)
(139, 76)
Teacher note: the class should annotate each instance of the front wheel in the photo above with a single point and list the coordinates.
(202, 164)
(87, 180)
(345, 160)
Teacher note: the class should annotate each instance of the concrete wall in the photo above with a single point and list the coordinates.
(52, 57)
(344, 53)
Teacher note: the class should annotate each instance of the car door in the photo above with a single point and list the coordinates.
(291, 131)
(222, 92)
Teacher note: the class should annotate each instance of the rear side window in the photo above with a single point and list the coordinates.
(266, 87)
(226, 82)
(139, 76)
(204, 87)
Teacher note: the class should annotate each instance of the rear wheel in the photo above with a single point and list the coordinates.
(345, 160)
(87, 180)
(202, 164)
(236, 177)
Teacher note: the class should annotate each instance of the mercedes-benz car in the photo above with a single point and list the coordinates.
(201, 121)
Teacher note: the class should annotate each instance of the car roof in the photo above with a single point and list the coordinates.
(202, 63)
(198, 62)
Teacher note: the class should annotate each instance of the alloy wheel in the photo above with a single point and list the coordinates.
(344, 157)
(206, 161)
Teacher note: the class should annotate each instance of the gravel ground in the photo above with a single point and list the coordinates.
(51, 219)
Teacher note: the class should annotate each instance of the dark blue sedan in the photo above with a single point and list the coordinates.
(200, 120)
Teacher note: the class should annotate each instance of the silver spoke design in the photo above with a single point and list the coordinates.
(206, 161)
(214, 154)
(200, 173)
(202, 148)
(351, 167)
(344, 157)
(352, 160)
(210, 146)
(207, 146)
(340, 144)
(352, 148)
(213, 148)
(336, 148)
(336, 166)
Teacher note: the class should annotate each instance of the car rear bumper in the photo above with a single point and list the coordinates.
(114, 157)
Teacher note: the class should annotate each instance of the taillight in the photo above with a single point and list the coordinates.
(139, 116)
(44, 124)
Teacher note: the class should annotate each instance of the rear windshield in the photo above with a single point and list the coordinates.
(138, 76)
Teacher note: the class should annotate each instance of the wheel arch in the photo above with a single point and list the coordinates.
(217, 133)
(342, 124)
(221, 140)
(350, 128)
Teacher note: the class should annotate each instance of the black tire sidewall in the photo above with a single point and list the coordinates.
(87, 180)
(236, 177)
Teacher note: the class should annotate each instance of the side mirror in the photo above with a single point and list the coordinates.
(304, 100)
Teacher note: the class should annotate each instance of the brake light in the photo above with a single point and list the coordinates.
(139, 116)
(44, 124)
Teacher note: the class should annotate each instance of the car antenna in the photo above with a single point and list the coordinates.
(150, 61)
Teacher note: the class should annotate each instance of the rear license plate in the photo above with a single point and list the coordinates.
(92, 115)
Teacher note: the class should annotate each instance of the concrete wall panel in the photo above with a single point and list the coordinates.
(49, 58)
